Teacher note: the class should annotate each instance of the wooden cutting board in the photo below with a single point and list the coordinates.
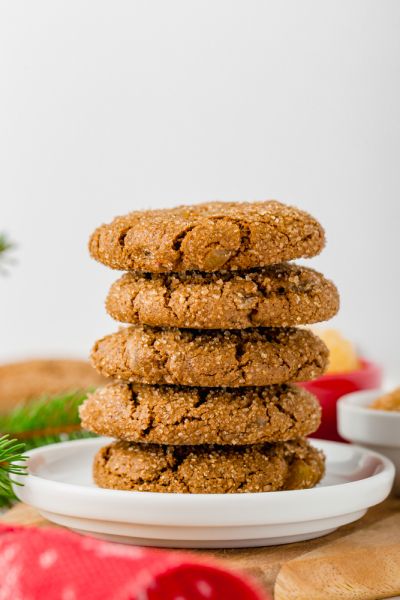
(360, 561)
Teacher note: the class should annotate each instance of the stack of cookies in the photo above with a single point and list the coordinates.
(202, 398)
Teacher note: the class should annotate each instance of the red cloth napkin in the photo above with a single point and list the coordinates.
(54, 564)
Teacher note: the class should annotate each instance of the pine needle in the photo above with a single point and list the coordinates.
(5, 246)
(11, 457)
(47, 420)
(5, 243)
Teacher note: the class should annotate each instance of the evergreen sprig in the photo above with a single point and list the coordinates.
(11, 463)
(47, 420)
(5, 246)
(5, 243)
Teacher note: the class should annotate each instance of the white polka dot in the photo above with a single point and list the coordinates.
(105, 549)
(48, 558)
(10, 583)
(68, 593)
(204, 588)
(9, 553)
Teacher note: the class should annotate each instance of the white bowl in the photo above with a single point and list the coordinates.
(378, 430)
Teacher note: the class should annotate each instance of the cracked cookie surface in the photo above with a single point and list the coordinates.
(277, 296)
(233, 358)
(207, 237)
(177, 415)
(208, 469)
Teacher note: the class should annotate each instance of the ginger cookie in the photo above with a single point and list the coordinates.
(207, 237)
(208, 469)
(278, 296)
(249, 357)
(178, 415)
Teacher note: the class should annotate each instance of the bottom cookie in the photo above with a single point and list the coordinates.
(208, 469)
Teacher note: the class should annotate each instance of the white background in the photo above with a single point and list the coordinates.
(107, 107)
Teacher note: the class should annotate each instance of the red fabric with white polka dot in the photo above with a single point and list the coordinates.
(53, 564)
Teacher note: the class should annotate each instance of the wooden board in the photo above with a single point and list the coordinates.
(360, 561)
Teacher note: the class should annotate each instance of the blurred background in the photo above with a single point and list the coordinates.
(107, 107)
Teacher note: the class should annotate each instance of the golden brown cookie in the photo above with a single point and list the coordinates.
(174, 415)
(210, 358)
(29, 379)
(207, 237)
(208, 469)
(278, 296)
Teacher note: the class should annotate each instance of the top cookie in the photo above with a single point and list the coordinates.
(207, 237)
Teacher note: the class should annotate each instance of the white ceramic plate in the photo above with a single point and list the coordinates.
(60, 486)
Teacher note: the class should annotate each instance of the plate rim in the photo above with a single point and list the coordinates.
(377, 484)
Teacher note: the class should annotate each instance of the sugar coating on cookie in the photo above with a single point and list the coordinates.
(190, 357)
(208, 469)
(207, 237)
(181, 415)
(278, 296)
